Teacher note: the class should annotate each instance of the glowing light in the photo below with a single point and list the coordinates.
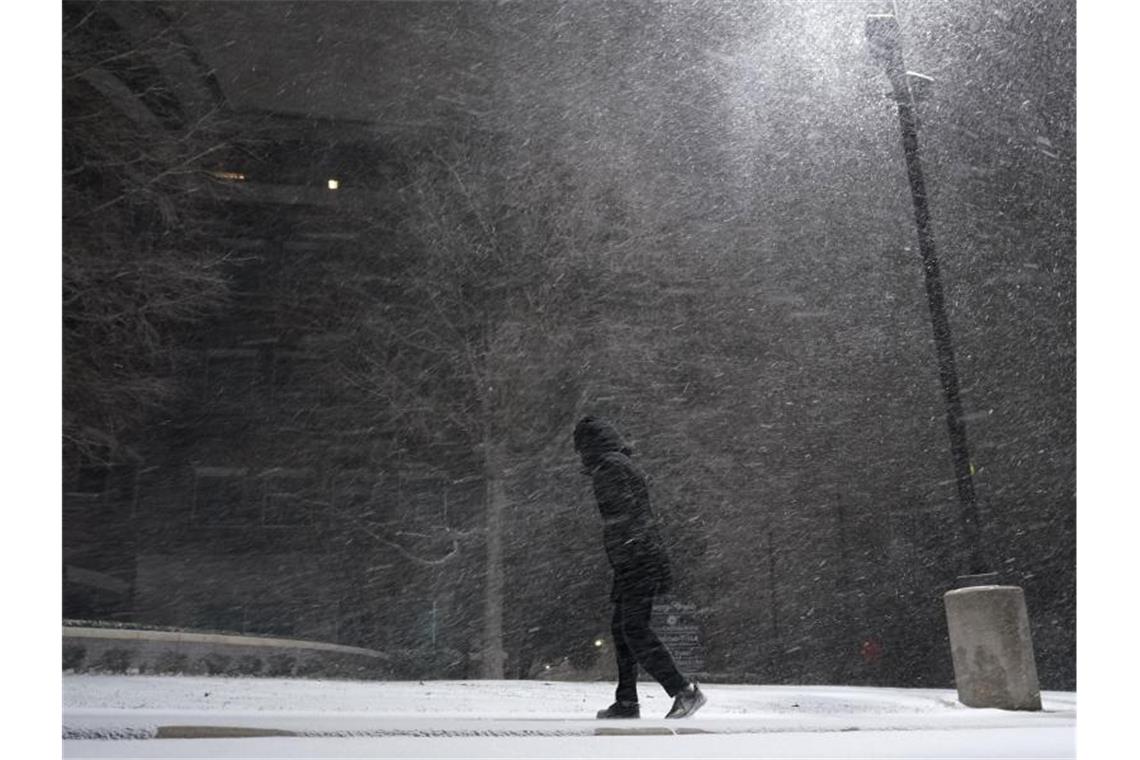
(333, 184)
(598, 642)
(231, 176)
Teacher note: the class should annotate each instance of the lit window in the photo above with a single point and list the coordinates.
(229, 176)
(333, 184)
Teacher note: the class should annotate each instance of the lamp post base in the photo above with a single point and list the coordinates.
(992, 648)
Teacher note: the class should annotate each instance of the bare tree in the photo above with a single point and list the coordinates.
(137, 263)
(485, 347)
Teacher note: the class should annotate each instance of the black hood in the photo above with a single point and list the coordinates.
(595, 437)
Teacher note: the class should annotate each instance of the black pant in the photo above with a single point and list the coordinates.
(635, 643)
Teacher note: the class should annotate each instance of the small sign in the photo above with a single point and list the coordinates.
(676, 625)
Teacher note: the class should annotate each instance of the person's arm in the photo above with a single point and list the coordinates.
(616, 491)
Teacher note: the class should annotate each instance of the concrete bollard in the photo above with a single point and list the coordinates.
(992, 648)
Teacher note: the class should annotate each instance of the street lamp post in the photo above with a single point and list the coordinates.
(885, 44)
(988, 624)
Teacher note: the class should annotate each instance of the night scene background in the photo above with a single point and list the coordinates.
(338, 279)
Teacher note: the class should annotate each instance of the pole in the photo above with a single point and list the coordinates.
(773, 602)
(843, 589)
(883, 35)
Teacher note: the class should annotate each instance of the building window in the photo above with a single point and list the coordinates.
(144, 487)
(463, 502)
(299, 377)
(232, 375)
(222, 498)
(358, 494)
(88, 482)
(288, 498)
(432, 499)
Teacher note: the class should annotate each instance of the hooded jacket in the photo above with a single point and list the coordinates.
(629, 527)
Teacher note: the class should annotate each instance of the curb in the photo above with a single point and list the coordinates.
(250, 732)
(223, 639)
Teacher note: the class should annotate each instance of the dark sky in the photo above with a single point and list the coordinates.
(368, 61)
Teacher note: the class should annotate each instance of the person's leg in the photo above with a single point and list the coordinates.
(626, 660)
(647, 649)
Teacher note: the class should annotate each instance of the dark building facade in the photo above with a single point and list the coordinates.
(264, 497)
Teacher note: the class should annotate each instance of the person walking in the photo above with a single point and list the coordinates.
(640, 566)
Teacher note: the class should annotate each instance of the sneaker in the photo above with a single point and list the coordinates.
(688, 701)
(621, 709)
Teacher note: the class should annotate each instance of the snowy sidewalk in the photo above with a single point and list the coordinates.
(153, 716)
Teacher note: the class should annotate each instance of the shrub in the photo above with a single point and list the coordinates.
(73, 656)
(313, 666)
(248, 665)
(216, 664)
(281, 665)
(426, 663)
(376, 670)
(171, 662)
(115, 661)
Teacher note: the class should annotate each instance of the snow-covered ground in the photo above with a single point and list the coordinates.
(145, 716)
